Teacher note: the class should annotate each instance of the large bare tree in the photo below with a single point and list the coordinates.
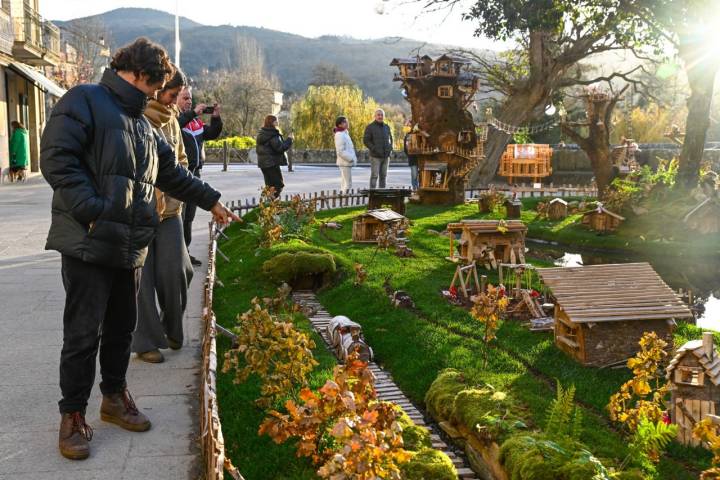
(90, 38)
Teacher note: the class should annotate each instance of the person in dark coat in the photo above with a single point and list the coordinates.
(102, 159)
(412, 159)
(378, 140)
(194, 134)
(270, 148)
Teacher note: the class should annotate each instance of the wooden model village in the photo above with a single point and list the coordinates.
(446, 326)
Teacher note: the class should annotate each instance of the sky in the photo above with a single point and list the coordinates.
(310, 18)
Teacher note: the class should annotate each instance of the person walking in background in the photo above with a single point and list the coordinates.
(102, 158)
(194, 134)
(412, 159)
(19, 151)
(167, 271)
(271, 150)
(378, 140)
(345, 151)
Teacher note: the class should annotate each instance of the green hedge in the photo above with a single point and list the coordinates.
(241, 143)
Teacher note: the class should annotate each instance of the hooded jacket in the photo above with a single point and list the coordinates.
(19, 148)
(194, 134)
(344, 149)
(271, 147)
(102, 159)
(164, 121)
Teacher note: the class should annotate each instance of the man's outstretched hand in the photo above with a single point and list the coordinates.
(223, 215)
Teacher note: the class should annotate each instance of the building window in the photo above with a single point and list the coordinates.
(445, 91)
(690, 376)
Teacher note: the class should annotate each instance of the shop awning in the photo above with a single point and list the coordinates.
(39, 79)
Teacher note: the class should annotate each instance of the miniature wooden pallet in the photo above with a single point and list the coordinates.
(386, 388)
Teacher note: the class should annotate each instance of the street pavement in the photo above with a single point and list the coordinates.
(31, 306)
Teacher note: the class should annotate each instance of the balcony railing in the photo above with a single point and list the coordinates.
(6, 32)
(36, 38)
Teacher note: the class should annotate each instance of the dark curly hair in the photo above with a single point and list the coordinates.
(178, 79)
(144, 56)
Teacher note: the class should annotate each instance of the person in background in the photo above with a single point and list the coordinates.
(19, 150)
(102, 159)
(271, 150)
(194, 134)
(412, 159)
(345, 151)
(167, 271)
(378, 140)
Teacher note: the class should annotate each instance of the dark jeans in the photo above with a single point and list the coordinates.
(100, 313)
(273, 178)
(188, 217)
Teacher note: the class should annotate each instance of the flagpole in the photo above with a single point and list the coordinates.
(177, 33)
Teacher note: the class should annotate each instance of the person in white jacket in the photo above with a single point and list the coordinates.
(345, 151)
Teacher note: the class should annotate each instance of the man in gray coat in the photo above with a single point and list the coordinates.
(378, 140)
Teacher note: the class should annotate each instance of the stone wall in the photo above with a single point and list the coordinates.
(570, 164)
(608, 342)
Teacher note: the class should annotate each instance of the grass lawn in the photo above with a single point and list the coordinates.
(415, 345)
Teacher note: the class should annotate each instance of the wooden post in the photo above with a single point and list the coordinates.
(226, 157)
(483, 283)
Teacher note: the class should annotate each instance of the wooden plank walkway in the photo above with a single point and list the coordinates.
(386, 388)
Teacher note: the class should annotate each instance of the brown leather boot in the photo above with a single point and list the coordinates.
(120, 409)
(74, 436)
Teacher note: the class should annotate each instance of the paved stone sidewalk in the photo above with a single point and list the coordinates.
(31, 305)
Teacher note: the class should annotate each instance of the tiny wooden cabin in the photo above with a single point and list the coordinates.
(450, 65)
(694, 378)
(557, 209)
(513, 207)
(434, 176)
(367, 226)
(602, 311)
(488, 242)
(532, 161)
(601, 219)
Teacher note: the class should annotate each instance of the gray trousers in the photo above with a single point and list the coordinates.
(378, 168)
(166, 274)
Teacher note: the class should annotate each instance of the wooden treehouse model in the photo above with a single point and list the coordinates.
(532, 161)
(444, 137)
(602, 311)
(367, 226)
(601, 219)
(557, 209)
(488, 242)
(694, 378)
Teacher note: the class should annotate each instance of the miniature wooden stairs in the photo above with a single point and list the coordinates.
(385, 386)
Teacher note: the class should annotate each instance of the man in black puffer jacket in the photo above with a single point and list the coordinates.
(102, 158)
(378, 140)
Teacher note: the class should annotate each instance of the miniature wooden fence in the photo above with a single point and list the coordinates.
(211, 437)
(326, 199)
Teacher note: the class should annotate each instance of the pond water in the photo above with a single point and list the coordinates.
(699, 275)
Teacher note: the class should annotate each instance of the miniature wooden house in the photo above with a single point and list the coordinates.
(602, 311)
(601, 219)
(557, 209)
(513, 207)
(434, 176)
(694, 378)
(450, 65)
(623, 157)
(530, 161)
(367, 226)
(488, 242)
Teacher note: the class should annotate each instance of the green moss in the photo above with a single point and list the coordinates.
(440, 397)
(486, 411)
(415, 437)
(429, 464)
(535, 457)
(287, 266)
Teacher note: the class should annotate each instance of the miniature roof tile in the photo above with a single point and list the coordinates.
(558, 200)
(383, 214)
(711, 366)
(403, 61)
(601, 209)
(613, 293)
(454, 59)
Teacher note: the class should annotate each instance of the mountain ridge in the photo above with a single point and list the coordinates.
(289, 56)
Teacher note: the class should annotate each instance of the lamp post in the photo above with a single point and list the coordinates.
(177, 33)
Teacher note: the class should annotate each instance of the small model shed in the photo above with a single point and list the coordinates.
(602, 311)
(694, 378)
(532, 161)
(557, 209)
(488, 242)
(367, 226)
(601, 219)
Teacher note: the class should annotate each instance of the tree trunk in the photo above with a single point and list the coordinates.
(701, 68)
(602, 168)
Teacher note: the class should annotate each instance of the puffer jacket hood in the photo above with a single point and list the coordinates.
(102, 159)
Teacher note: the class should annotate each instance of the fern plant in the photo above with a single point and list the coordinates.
(564, 419)
(649, 441)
